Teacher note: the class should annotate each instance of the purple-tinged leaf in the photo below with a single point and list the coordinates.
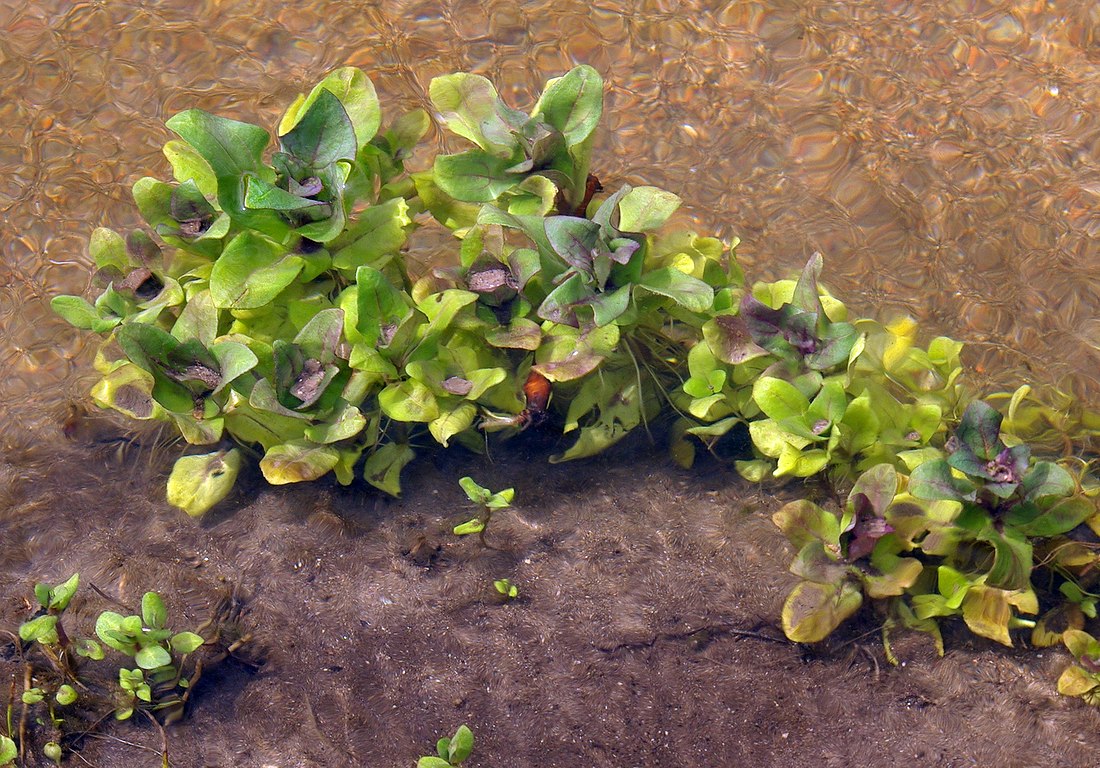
(980, 428)
(729, 339)
(1047, 479)
(932, 480)
(573, 239)
(1031, 520)
(878, 485)
(834, 346)
(806, 295)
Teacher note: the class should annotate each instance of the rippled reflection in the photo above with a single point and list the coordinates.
(945, 156)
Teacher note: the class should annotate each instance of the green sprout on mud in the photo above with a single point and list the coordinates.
(1082, 679)
(451, 751)
(157, 683)
(488, 501)
(506, 589)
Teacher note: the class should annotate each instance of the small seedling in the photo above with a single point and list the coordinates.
(489, 502)
(506, 588)
(157, 683)
(451, 751)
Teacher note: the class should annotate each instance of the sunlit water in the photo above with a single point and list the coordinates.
(944, 157)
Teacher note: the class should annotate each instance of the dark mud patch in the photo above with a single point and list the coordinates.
(645, 633)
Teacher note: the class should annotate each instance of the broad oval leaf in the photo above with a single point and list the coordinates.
(469, 106)
(152, 657)
(779, 399)
(323, 134)
(229, 146)
(251, 272)
(813, 610)
(197, 483)
(643, 209)
(474, 176)
(573, 103)
(298, 461)
(408, 401)
(357, 96)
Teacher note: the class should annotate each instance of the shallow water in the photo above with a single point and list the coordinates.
(944, 156)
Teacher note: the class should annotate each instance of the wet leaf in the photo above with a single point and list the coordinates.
(186, 642)
(469, 107)
(646, 208)
(231, 148)
(323, 133)
(298, 461)
(41, 628)
(1061, 517)
(80, 314)
(572, 103)
(729, 339)
(199, 482)
(1075, 681)
(474, 176)
(573, 239)
(812, 611)
(408, 401)
(251, 272)
(878, 485)
(357, 96)
(452, 422)
(152, 657)
(383, 467)
(803, 522)
(1045, 478)
(346, 424)
(379, 303)
(779, 399)
(153, 612)
(690, 293)
(933, 480)
(980, 430)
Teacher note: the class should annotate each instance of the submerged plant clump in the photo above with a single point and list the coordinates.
(62, 689)
(267, 310)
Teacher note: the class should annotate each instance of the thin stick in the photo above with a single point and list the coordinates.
(163, 738)
(23, 715)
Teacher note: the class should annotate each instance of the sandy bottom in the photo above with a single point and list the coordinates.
(645, 634)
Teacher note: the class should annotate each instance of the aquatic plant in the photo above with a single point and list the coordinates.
(506, 589)
(488, 501)
(157, 682)
(451, 751)
(66, 691)
(267, 310)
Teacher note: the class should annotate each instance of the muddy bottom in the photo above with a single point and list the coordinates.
(645, 632)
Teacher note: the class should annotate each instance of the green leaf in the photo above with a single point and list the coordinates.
(1045, 478)
(198, 320)
(779, 399)
(251, 272)
(323, 134)
(61, 594)
(41, 628)
(380, 305)
(470, 526)
(462, 743)
(1060, 518)
(452, 422)
(469, 107)
(729, 339)
(8, 751)
(803, 522)
(383, 467)
(408, 401)
(357, 96)
(188, 165)
(153, 613)
(108, 250)
(263, 195)
(199, 482)
(378, 232)
(234, 360)
(432, 762)
(643, 209)
(933, 480)
(813, 610)
(65, 696)
(152, 657)
(879, 485)
(690, 293)
(108, 626)
(474, 176)
(186, 642)
(230, 147)
(347, 423)
(573, 103)
(80, 314)
(980, 428)
(298, 461)
(88, 648)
